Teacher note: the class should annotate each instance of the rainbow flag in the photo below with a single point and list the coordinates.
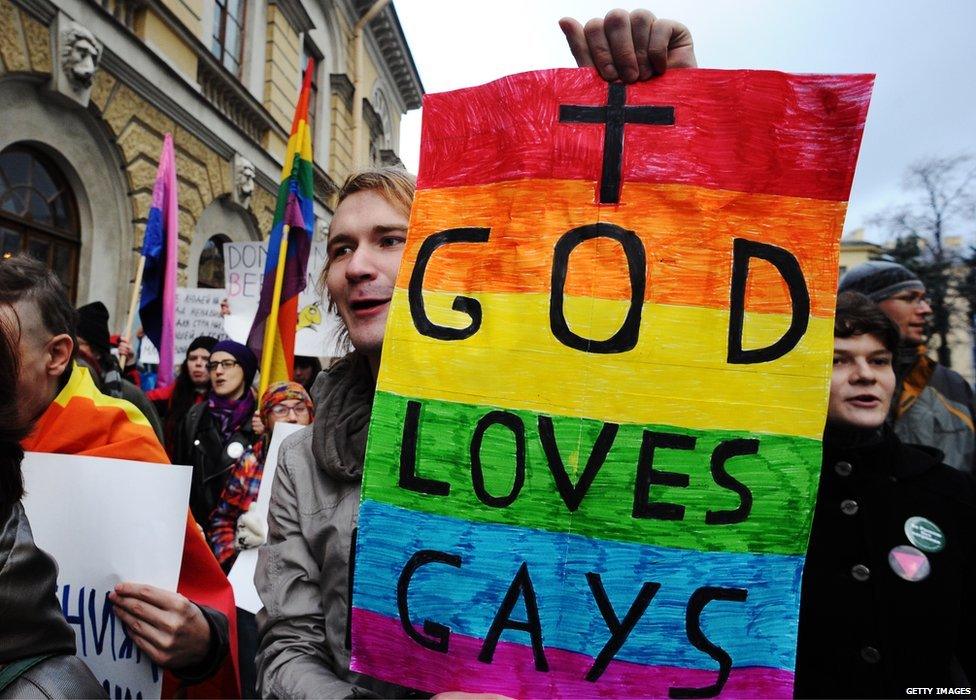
(272, 336)
(157, 297)
(596, 439)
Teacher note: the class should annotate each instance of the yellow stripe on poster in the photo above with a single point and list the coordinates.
(676, 374)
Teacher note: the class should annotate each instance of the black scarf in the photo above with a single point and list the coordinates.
(343, 397)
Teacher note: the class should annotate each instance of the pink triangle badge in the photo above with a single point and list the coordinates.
(909, 563)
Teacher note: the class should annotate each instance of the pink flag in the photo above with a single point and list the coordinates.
(157, 304)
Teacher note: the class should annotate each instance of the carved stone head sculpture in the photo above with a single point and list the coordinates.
(244, 178)
(80, 53)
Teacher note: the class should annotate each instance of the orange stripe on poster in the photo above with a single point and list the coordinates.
(687, 235)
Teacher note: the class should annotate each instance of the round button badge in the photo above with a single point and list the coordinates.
(909, 563)
(235, 450)
(924, 534)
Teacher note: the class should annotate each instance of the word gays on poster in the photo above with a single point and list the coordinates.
(595, 442)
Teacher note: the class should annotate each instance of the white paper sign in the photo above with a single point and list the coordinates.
(106, 521)
(317, 331)
(241, 575)
(197, 313)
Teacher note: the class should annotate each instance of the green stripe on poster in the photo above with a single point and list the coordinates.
(660, 485)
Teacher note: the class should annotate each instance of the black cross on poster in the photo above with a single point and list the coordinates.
(615, 114)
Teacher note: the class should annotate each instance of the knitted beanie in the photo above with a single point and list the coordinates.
(878, 280)
(245, 358)
(283, 391)
(205, 342)
(93, 326)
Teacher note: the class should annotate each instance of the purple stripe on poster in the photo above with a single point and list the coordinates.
(512, 672)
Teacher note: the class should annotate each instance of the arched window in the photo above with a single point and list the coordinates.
(38, 213)
(210, 273)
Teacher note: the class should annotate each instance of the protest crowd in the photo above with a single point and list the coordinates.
(899, 443)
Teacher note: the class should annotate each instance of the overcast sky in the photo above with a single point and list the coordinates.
(923, 53)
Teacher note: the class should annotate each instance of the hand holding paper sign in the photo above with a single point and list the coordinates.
(629, 46)
(165, 625)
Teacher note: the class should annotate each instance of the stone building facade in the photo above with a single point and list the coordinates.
(88, 88)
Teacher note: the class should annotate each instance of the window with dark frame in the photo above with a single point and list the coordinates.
(228, 34)
(38, 213)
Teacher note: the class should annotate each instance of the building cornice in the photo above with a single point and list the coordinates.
(392, 44)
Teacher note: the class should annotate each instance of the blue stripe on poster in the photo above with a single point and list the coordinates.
(759, 631)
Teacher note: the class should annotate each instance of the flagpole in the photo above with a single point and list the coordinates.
(271, 326)
(133, 305)
(299, 145)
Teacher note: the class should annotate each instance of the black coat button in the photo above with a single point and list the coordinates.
(843, 468)
(848, 506)
(860, 572)
(871, 655)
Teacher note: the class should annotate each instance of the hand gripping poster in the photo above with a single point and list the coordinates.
(596, 438)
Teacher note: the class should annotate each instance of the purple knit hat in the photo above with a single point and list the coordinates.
(245, 358)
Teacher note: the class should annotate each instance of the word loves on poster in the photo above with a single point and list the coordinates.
(595, 443)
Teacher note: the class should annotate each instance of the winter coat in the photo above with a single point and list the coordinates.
(864, 630)
(31, 622)
(935, 407)
(198, 443)
(304, 572)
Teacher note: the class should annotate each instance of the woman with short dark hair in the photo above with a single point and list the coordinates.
(190, 387)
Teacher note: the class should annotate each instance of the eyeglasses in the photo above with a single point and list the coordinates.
(281, 410)
(226, 364)
(916, 298)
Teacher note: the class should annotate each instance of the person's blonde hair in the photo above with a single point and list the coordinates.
(395, 185)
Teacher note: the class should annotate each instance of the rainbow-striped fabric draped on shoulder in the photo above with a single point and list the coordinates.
(596, 438)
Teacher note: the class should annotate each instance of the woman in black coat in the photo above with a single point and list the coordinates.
(216, 432)
(887, 603)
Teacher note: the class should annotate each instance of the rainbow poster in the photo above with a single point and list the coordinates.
(596, 437)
